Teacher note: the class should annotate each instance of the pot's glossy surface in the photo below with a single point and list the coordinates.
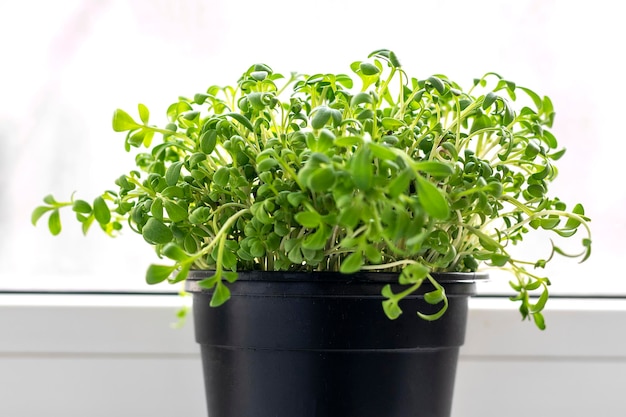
(319, 345)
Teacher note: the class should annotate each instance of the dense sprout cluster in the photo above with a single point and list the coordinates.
(315, 173)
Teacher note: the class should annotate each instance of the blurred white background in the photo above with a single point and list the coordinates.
(66, 66)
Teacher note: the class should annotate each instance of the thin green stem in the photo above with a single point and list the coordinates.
(222, 232)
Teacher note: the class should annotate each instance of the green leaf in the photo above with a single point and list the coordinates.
(573, 223)
(262, 215)
(181, 274)
(190, 243)
(390, 123)
(345, 80)
(195, 159)
(144, 113)
(156, 208)
(387, 292)
(493, 188)
(437, 169)
(368, 68)
(221, 177)
(550, 223)
(147, 137)
(295, 198)
(322, 179)
(81, 206)
(488, 243)
(317, 240)
(352, 263)
(122, 121)
(295, 255)
(257, 249)
(242, 119)
(509, 114)
(321, 117)
(230, 276)
(229, 259)
(177, 108)
(399, 184)
(438, 84)
(208, 140)
(541, 302)
(557, 155)
(208, 283)
(37, 213)
(101, 211)
(536, 190)
(220, 295)
(174, 252)
(498, 259)
(156, 232)
(539, 321)
(173, 173)
(350, 216)
(391, 309)
(372, 254)
(565, 233)
(336, 116)
(325, 140)
(547, 105)
(200, 98)
(435, 297)
(137, 138)
(533, 285)
(550, 139)
(489, 99)
(362, 169)
(158, 273)
(432, 199)
(49, 199)
(173, 192)
(200, 215)
(382, 152)
(190, 115)
(175, 211)
(54, 222)
(266, 165)
(310, 219)
(87, 224)
(393, 60)
(412, 274)
(481, 122)
(534, 96)
(348, 141)
(361, 98)
(257, 100)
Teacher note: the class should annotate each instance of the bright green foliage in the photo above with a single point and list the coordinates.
(378, 171)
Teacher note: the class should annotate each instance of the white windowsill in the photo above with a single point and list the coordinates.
(107, 355)
(144, 323)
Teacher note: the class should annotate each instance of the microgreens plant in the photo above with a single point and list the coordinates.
(317, 173)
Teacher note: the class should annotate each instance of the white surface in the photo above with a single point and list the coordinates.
(77, 356)
(101, 386)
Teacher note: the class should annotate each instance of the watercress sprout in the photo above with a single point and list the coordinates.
(378, 170)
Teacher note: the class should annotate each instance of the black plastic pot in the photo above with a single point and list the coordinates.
(319, 345)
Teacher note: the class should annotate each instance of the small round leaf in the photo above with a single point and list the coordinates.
(54, 222)
(156, 232)
(352, 263)
(158, 273)
(101, 211)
